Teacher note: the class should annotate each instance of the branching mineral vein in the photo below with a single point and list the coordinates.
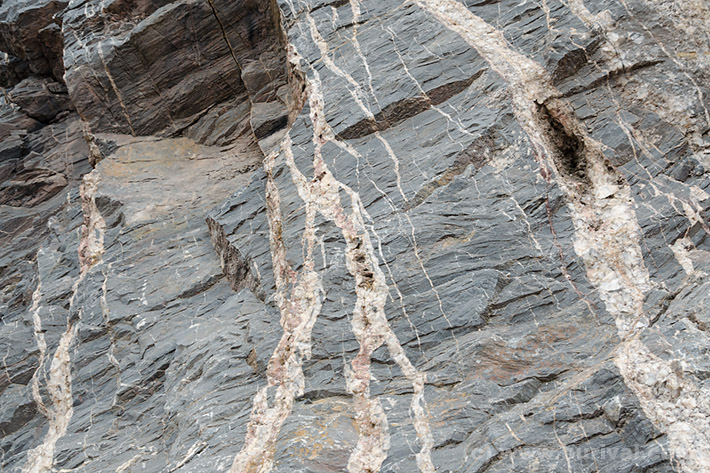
(59, 410)
(370, 323)
(606, 237)
(355, 8)
(300, 308)
(324, 50)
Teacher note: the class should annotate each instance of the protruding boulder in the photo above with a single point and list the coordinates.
(41, 98)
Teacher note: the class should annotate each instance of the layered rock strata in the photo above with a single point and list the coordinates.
(424, 235)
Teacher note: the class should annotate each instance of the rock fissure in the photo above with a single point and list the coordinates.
(224, 34)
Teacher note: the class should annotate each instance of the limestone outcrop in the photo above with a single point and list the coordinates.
(351, 236)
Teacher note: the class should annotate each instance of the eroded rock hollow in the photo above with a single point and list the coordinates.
(354, 236)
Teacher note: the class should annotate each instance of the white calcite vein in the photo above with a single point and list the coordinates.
(299, 297)
(691, 9)
(59, 410)
(455, 120)
(580, 10)
(115, 88)
(356, 93)
(41, 346)
(370, 324)
(666, 105)
(606, 238)
(300, 308)
(355, 8)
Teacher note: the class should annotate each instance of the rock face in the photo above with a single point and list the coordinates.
(300, 236)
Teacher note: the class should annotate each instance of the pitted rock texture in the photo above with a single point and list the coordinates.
(352, 236)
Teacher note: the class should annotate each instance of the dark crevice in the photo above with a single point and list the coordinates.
(524, 391)
(235, 266)
(493, 460)
(224, 34)
(318, 394)
(574, 60)
(448, 442)
(200, 286)
(397, 112)
(477, 154)
(335, 4)
(568, 148)
(270, 127)
(611, 75)
(548, 378)
(664, 304)
(702, 326)
(598, 412)
(147, 388)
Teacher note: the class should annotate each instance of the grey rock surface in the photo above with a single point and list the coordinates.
(351, 236)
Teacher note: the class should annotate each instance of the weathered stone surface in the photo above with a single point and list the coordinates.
(41, 99)
(172, 67)
(309, 236)
(30, 30)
